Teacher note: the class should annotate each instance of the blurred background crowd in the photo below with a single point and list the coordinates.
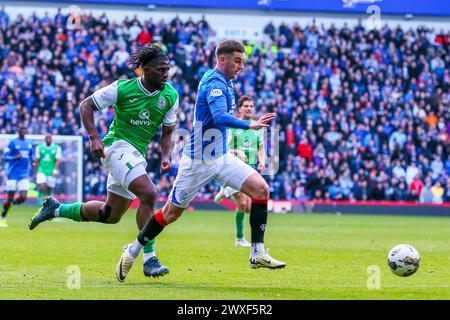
(362, 114)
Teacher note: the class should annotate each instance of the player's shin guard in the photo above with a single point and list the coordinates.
(40, 198)
(258, 219)
(71, 211)
(152, 228)
(239, 218)
(150, 247)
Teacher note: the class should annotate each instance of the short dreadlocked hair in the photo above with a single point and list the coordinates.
(142, 55)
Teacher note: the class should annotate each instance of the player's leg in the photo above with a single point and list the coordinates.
(258, 190)
(23, 185)
(48, 191)
(109, 212)
(191, 178)
(49, 186)
(241, 207)
(144, 189)
(41, 192)
(220, 195)
(11, 186)
(225, 192)
(40, 181)
(7, 204)
(239, 175)
(249, 205)
(22, 197)
(154, 226)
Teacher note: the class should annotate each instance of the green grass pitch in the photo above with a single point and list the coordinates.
(327, 256)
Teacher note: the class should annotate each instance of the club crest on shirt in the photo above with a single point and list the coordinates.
(182, 195)
(162, 103)
(215, 93)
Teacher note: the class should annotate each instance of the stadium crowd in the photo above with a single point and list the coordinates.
(362, 114)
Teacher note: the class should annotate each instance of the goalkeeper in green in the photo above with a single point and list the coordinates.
(48, 158)
(248, 145)
(142, 105)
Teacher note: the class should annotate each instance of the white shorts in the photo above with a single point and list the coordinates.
(48, 180)
(14, 185)
(124, 164)
(228, 170)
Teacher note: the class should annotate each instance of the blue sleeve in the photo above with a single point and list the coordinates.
(217, 103)
(8, 156)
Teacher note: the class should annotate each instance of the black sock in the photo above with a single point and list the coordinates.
(258, 221)
(151, 229)
(6, 207)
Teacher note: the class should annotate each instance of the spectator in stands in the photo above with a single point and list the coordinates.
(350, 101)
(4, 19)
(415, 188)
(438, 192)
(426, 196)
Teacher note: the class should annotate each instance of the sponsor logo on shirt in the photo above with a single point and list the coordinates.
(144, 119)
(215, 93)
(144, 114)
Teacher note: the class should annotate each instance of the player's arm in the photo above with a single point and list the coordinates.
(100, 99)
(261, 153)
(37, 159)
(232, 143)
(169, 121)
(9, 153)
(87, 108)
(217, 103)
(58, 160)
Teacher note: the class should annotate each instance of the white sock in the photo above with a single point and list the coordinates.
(257, 248)
(148, 255)
(135, 249)
(57, 212)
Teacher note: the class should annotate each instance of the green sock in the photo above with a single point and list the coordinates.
(71, 211)
(240, 224)
(40, 198)
(150, 246)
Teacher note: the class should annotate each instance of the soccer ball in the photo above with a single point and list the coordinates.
(404, 260)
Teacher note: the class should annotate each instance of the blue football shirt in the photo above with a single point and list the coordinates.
(213, 111)
(19, 169)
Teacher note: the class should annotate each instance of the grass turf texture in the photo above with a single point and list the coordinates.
(327, 257)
